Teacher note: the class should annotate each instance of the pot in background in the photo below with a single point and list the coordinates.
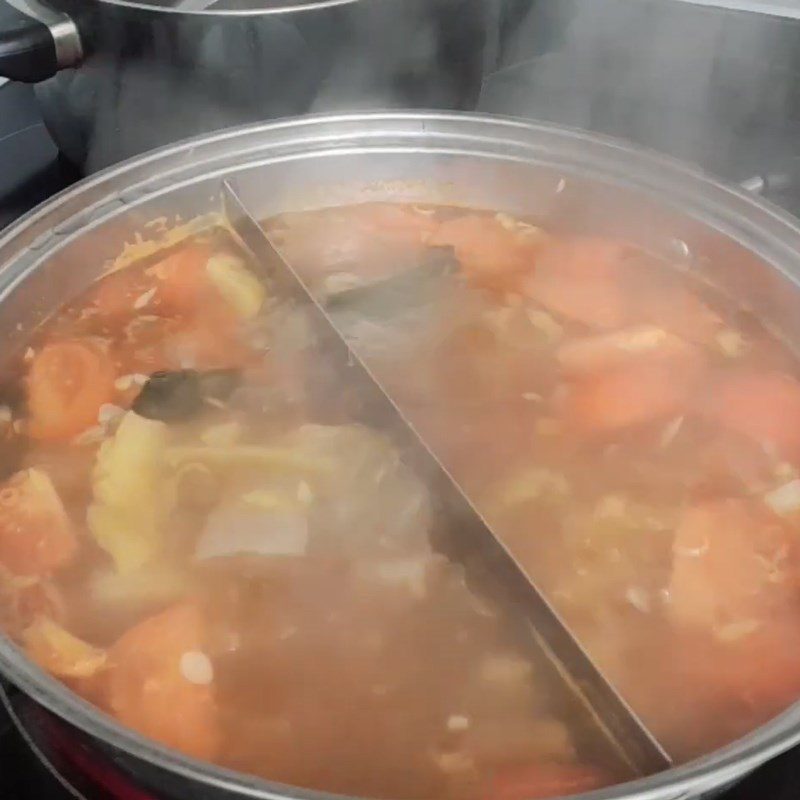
(119, 77)
(571, 181)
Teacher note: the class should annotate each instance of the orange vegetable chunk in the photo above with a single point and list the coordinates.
(148, 690)
(491, 255)
(762, 405)
(36, 536)
(604, 351)
(628, 396)
(581, 279)
(534, 781)
(67, 383)
(721, 559)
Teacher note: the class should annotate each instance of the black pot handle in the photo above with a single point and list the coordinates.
(38, 42)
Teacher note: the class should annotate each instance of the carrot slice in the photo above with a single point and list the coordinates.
(581, 279)
(604, 351)
(628, 396)
(147, 687)
(721, 559)
(36, 537)
(492, 256)
(67, 383)
(762, 405)
(544, 779)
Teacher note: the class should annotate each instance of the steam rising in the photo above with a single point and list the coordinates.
(157, 78)
(703, 84)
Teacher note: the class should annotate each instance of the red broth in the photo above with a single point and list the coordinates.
(198, 536)
(631, 434)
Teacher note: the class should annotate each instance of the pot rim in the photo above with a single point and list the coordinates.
(270, 7)
(764, 228)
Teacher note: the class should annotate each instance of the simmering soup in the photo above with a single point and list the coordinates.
(631, 434)
(198, 534)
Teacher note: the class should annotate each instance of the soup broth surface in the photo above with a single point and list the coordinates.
(199, 534)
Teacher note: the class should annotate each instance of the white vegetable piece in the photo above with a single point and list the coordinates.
(245, 528)
(785, 500)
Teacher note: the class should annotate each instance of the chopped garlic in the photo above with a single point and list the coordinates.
(506, 220)
(670, 431)
(734, 631)
(125, 382)
(638, 598)
(731, 343)
(30, 354)
(693, 552)
(532, 397)
(108, 413)
(144, 299)
(90, 436)
(505, 669)
(545, 324)
(196, 667)
(785, 500)
(223, 435)
(457, 722)
(5, 415)
(641, 340)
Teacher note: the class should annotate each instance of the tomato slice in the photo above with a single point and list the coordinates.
(608, 284)
(67, 383)
(491, 255)
(602, 351)
(115, 294)
(182, 285)
(581, 279)
(545, 779)
(725, 564)
(148, 690)
(36, 537)
(628, 396)
(764, 406)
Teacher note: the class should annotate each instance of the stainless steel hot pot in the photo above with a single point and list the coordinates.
(118, 77)
(571, 180)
